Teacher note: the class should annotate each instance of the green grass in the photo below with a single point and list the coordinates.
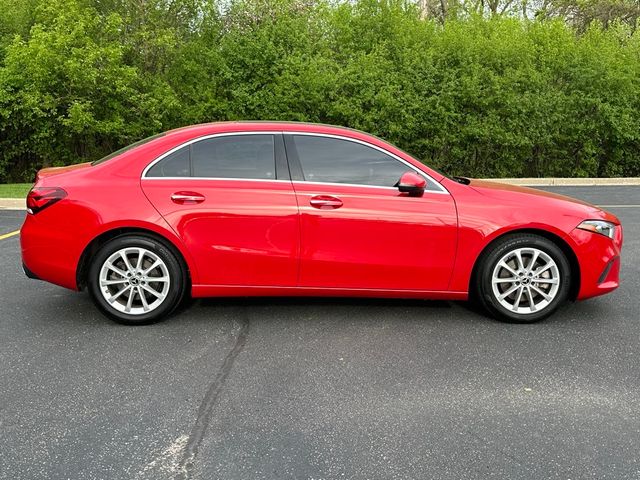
(14, 190)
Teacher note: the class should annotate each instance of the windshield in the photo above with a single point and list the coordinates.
(127, 148)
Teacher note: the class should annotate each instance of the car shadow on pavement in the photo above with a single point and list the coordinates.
(77, 308)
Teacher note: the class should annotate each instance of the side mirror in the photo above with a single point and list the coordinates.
(412, 183)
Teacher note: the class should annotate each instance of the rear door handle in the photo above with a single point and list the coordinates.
(187, 198)
(325, 202)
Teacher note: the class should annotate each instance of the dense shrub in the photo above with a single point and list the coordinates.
(474, 96)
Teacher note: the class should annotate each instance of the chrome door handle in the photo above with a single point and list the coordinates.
(187, 198)
(325, 202)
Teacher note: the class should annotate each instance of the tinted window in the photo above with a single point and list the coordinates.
(175, 164)
(332, 160)
(238, 156)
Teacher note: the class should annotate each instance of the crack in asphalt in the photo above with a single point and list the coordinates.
(208, 403)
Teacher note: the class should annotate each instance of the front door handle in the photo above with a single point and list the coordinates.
(187, 198)
(325, 202)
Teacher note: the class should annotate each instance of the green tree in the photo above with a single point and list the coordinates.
(478, 94)
(66, 93)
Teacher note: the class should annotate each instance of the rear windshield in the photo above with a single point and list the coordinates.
(127, 148)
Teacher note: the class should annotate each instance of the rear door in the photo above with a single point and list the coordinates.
(358, 231)
(230, 199)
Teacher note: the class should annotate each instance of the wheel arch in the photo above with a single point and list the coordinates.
(94, 245)
(556, 239)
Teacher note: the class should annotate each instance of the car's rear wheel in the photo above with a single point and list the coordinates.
(524, 278)
(136, 280)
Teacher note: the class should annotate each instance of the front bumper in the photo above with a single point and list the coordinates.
(599, 261)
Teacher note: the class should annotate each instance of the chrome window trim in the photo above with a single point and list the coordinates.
(440, 190)
(220, 178)
(360, 185)
(206, 137)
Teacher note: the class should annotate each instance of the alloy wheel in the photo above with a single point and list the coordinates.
(134, 280)
(525, 280)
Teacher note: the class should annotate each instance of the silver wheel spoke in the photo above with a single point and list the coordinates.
(504, 265)
(122, 273)
(113, 282)
(516, 304)
(157, 279)
(132, 293)
(551, 281)
(140, 257)
(115, 297)
(536, 254)
(542, 269)
(123, 255)
(532, 304)
(540, 292)
(143, 299)
(155, 264)
(509, 292)
(519, 260)
(153, 292)
(505, 280)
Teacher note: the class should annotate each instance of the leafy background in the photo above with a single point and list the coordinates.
(485, 89)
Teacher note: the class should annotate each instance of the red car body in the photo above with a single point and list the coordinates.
(268, 237)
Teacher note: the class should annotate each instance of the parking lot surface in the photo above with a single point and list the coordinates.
(320, 388)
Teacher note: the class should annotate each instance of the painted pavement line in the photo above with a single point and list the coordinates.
(10, 234)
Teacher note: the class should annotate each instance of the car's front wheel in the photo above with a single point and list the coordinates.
(523, 278)
(136, 280)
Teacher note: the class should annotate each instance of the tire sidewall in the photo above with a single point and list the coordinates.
(493, 257)
(176, 273)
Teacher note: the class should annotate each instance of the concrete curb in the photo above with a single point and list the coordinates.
(12, 204)
(19, 203)
(568, 182)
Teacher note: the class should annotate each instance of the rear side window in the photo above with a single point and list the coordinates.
(332, 160)
(175, 164)
(234, 156)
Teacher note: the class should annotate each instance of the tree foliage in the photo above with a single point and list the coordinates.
(477, 94)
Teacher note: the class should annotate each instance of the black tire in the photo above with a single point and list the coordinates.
(176, 271)
(487, 263)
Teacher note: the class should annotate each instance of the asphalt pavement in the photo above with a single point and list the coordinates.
(320, 388)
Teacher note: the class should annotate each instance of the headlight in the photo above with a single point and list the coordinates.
(599, 226)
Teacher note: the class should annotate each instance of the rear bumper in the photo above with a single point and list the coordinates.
(29, 273)
(49, 252)
(599, 261)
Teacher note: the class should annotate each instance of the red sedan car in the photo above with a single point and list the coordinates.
(282, 209)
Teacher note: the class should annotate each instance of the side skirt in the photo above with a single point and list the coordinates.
(201, 291)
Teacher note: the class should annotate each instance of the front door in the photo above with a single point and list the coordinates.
(357, 230)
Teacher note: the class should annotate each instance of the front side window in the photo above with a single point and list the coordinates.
(229, 156)
(332, 160)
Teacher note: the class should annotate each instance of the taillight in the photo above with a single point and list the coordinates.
(40, 198)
